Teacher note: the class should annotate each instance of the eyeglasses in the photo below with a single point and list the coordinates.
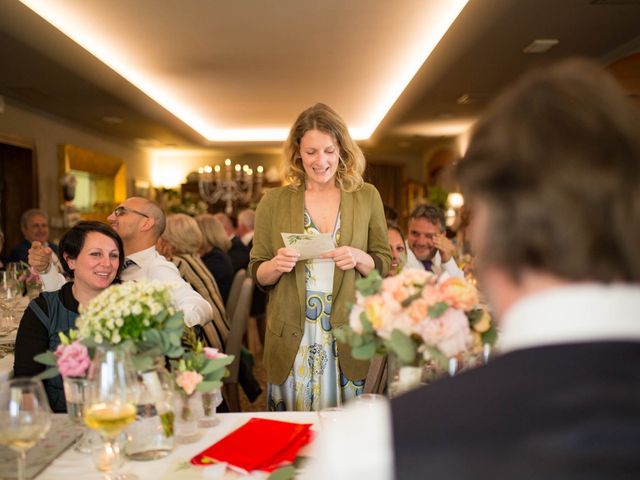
(121, 210)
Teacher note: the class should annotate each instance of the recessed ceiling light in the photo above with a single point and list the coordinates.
(540, 45)
(112, 120)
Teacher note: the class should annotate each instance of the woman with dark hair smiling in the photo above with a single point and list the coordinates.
(92, 255)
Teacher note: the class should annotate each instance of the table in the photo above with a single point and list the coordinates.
(72, 465)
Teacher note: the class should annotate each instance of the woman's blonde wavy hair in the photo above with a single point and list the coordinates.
(182, 233)
(323, 118)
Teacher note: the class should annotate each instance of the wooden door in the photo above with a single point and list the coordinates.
(18, 190)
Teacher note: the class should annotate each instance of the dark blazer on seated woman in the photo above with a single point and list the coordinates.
(46, 316)
(219, 264)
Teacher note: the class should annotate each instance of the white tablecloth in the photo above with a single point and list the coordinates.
(6, 367)
(71, 464)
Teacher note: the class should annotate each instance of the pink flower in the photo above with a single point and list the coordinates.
(458, 293)
(73, 359)
(188, 380)
(449, 332)
(213, 353)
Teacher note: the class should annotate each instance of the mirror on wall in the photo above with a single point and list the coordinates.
(99, 184)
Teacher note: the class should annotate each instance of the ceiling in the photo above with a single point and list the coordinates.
(251, 66)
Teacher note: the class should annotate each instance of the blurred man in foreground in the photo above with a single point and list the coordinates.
(553, 177)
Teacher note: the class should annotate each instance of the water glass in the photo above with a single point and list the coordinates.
(75, 390)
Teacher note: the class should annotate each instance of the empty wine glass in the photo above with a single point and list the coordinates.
(10, 293)
(24, 417)
(110, 403)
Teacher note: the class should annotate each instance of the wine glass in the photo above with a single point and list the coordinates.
(24, 417)
(10, 293)
(110, 404)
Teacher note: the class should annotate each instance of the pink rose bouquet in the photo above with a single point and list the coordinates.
(200, 369)
(417, 316)
(188, 380)
(72, 359)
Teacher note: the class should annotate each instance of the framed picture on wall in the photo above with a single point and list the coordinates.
(142, 188)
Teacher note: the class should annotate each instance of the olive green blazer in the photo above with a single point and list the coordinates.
(362, 226)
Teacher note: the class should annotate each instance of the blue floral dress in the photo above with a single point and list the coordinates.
(315, 381)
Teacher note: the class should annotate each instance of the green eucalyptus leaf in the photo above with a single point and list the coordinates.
(48, 373)
(174, 322)
(174, 352)
(283, 473)
(142, 362)
(403, 346)
(152, 336)
(370, 284)
(173, 338)
(46, 358)
(367, 326)
(207, 386)
(364, 352)
(438, 309)
(490, 336)
(474, 316)
(438, 357)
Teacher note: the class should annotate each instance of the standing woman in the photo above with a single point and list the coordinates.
(306, 370)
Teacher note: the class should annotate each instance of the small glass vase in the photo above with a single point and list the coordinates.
(151, 436)
(401, 377)
(186, 411)
(33, 291)
(209, 402)
(74, 393)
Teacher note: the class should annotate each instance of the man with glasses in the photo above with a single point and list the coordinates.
(139, 222)
(428, 248)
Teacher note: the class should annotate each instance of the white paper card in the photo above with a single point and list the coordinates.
(309, 245)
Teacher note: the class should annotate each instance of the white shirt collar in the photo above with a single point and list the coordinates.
(247, 237)
(142, 255)
(576, 313)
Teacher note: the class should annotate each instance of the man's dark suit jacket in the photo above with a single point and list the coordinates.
(20, 253)
(239, 254)
(556, 412)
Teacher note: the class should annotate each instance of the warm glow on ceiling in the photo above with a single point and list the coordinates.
(416, 29)
(438, 128)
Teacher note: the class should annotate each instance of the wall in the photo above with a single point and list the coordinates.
(46, 132)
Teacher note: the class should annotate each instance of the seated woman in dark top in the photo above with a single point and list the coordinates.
(92, 255)
(214, 250)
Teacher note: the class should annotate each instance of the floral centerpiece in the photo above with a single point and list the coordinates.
(137, 316)
(200, 369)
(416, 317)
(29, 280)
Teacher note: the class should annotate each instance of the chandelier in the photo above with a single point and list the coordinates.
(234, 185)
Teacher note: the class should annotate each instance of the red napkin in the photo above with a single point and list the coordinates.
(259, 444)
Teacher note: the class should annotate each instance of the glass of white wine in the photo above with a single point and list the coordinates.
(110, 405)
(24, 417)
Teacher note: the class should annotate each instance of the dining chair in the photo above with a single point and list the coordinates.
(234, 291)
(376, 381)
(239, 321)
